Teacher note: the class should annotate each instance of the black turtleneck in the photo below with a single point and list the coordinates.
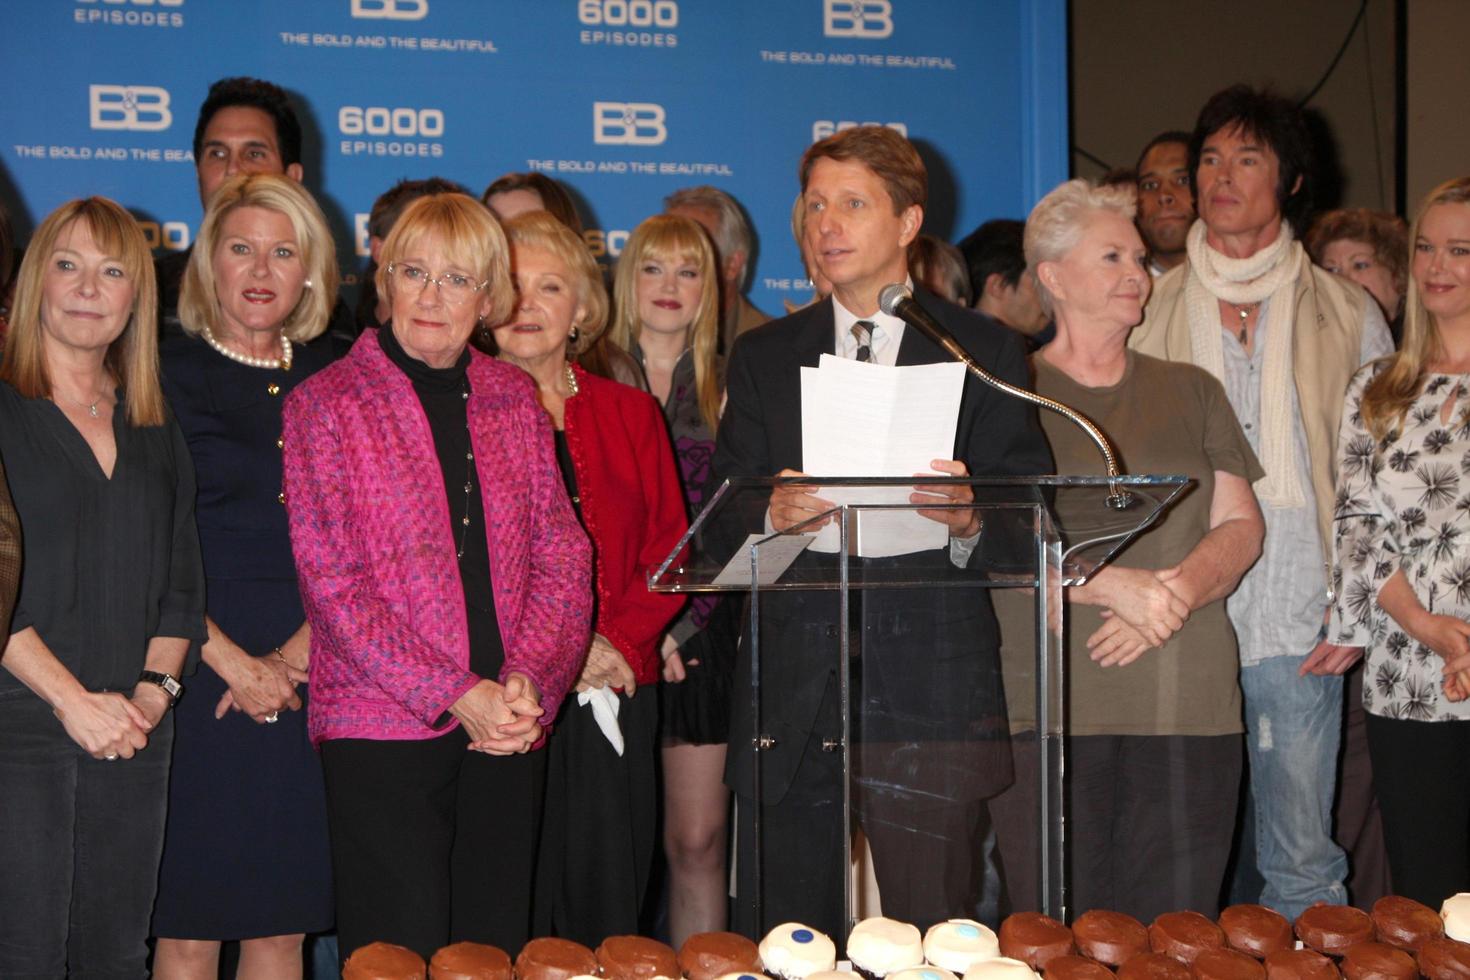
(444, 395)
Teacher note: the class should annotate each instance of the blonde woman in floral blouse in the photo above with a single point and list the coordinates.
(1403, 558)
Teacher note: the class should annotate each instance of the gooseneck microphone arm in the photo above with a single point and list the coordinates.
(898, 300)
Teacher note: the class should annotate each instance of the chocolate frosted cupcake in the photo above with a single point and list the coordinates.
(636, 958)
(384, 961)
(1405, 923)
(1378, 961)
(1444, 959)
(792, 950)
(554, 959)
(1300, 964)
(1109, 937)
(709, 955)
(1076, 968)
(1001, 968)
(959, 944)
(1034, 939)
(1256, 930)
(1153, 966)
(1184, 935)
(879, 946)
(470, 961)
(1332, 929)
(1219, 963)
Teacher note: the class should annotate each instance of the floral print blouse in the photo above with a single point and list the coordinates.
(1403, 503)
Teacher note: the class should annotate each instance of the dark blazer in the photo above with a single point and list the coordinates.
(930, 672)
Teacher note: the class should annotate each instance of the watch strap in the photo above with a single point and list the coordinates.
(170, 684)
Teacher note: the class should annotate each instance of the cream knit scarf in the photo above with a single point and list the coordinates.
(1270, 274)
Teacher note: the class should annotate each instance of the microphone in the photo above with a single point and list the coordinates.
(896, 299)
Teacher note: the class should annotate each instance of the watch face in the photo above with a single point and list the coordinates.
(173, 687)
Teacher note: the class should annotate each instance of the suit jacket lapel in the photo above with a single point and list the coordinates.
(816, 337)
(915, 348)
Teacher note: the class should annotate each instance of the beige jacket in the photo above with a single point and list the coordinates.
(1330, 313)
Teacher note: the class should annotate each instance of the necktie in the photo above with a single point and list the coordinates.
(863, 332)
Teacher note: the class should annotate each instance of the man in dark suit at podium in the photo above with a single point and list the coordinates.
(929, 718)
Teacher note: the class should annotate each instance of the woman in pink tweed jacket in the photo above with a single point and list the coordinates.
(447, 583)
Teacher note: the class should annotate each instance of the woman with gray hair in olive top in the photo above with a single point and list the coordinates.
(1155, 707)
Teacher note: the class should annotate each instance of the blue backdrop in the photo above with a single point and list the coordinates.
(622, 100)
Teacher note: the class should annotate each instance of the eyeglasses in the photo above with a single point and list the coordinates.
(453, 287)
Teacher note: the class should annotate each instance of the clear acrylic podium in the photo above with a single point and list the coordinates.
(871, 645)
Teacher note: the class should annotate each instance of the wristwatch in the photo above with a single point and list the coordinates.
(170, 686)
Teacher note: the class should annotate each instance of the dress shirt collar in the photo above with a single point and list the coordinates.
(887, 335)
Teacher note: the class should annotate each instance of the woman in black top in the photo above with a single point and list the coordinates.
(111, 600)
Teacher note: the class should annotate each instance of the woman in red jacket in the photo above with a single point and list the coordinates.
(601, 789)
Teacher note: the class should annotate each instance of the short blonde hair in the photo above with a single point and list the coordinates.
(545, 231)
(198, 298)
(468, 232)
(133, 356)
(1057, 222)
(669, 237)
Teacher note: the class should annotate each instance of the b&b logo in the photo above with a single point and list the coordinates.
(629, 123)
(823, 128)
(857, 18)
(136, 107)
(390, 9)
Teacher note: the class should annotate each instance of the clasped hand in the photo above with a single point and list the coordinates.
(260, 687)
(501, 719)
(109, 725)
(1448, 636)
(794, 504)
(606, 667)
(1143, 609)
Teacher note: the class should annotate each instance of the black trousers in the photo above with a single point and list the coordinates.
(1150, 820)
(927, 855)
(80, 842)
(600, 825)
(1421, 771)
(431, 843)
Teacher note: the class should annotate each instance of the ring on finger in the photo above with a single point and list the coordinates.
(110, 757)
(272, 718)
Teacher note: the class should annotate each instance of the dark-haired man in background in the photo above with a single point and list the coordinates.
(995, 255)
(1284, 338)
(1165, 199)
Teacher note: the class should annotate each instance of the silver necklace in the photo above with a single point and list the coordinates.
(1244, 312)
(283, 362)
(91, 409)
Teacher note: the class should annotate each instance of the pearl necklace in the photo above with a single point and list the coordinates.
(572, 386)
(283, 362)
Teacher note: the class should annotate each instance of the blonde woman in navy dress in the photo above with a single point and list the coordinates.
(246, 855)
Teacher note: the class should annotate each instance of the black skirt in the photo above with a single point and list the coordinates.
(696, 710)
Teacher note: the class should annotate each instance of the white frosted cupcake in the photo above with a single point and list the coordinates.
(1001, 968)
(959, 944)
(793, 951)
(1456, 915)
(879, 946)
(922, 973)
